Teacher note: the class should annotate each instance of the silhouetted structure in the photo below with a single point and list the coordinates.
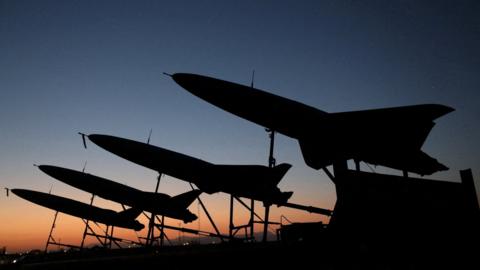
(391, 214)
(124, 219)
(250, 181)
(376, 216)
(390, 137)
(157, 203)
(375, 213)
(309, 232)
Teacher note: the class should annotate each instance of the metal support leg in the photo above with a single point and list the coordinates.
(150, 232)
(265, 224)
(329, 174)
(230, 227)
(357, 165)
(208, 216)
(51, 231)
(246, 206)
(151, 224)
(252, 220)
(340, 167)
(105, 241)
(86, 225)
(271, 164)
(111, 238)
(92, 232)
(162, 233)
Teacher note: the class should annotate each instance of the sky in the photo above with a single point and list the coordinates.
(96, 67)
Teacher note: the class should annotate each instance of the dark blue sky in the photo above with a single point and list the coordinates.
(96, 67)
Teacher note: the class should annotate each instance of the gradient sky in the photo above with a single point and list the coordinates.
(96, 67)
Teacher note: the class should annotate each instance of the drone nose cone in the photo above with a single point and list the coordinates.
(215, 91)
(59, 173)
(53, 171)
(45, 168)
(187, 81)
(15, 191)
(116, 145)
(183, 78)
(196, 84)
(107, 142)
(23, 193)
(97, 138)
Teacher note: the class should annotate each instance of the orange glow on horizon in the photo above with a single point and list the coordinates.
(18, 234)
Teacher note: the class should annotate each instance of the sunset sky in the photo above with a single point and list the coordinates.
(96, 67)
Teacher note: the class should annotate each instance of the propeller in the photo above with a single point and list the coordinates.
(85, 164)
(83, 139)
(149, 135)
(253, 78)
